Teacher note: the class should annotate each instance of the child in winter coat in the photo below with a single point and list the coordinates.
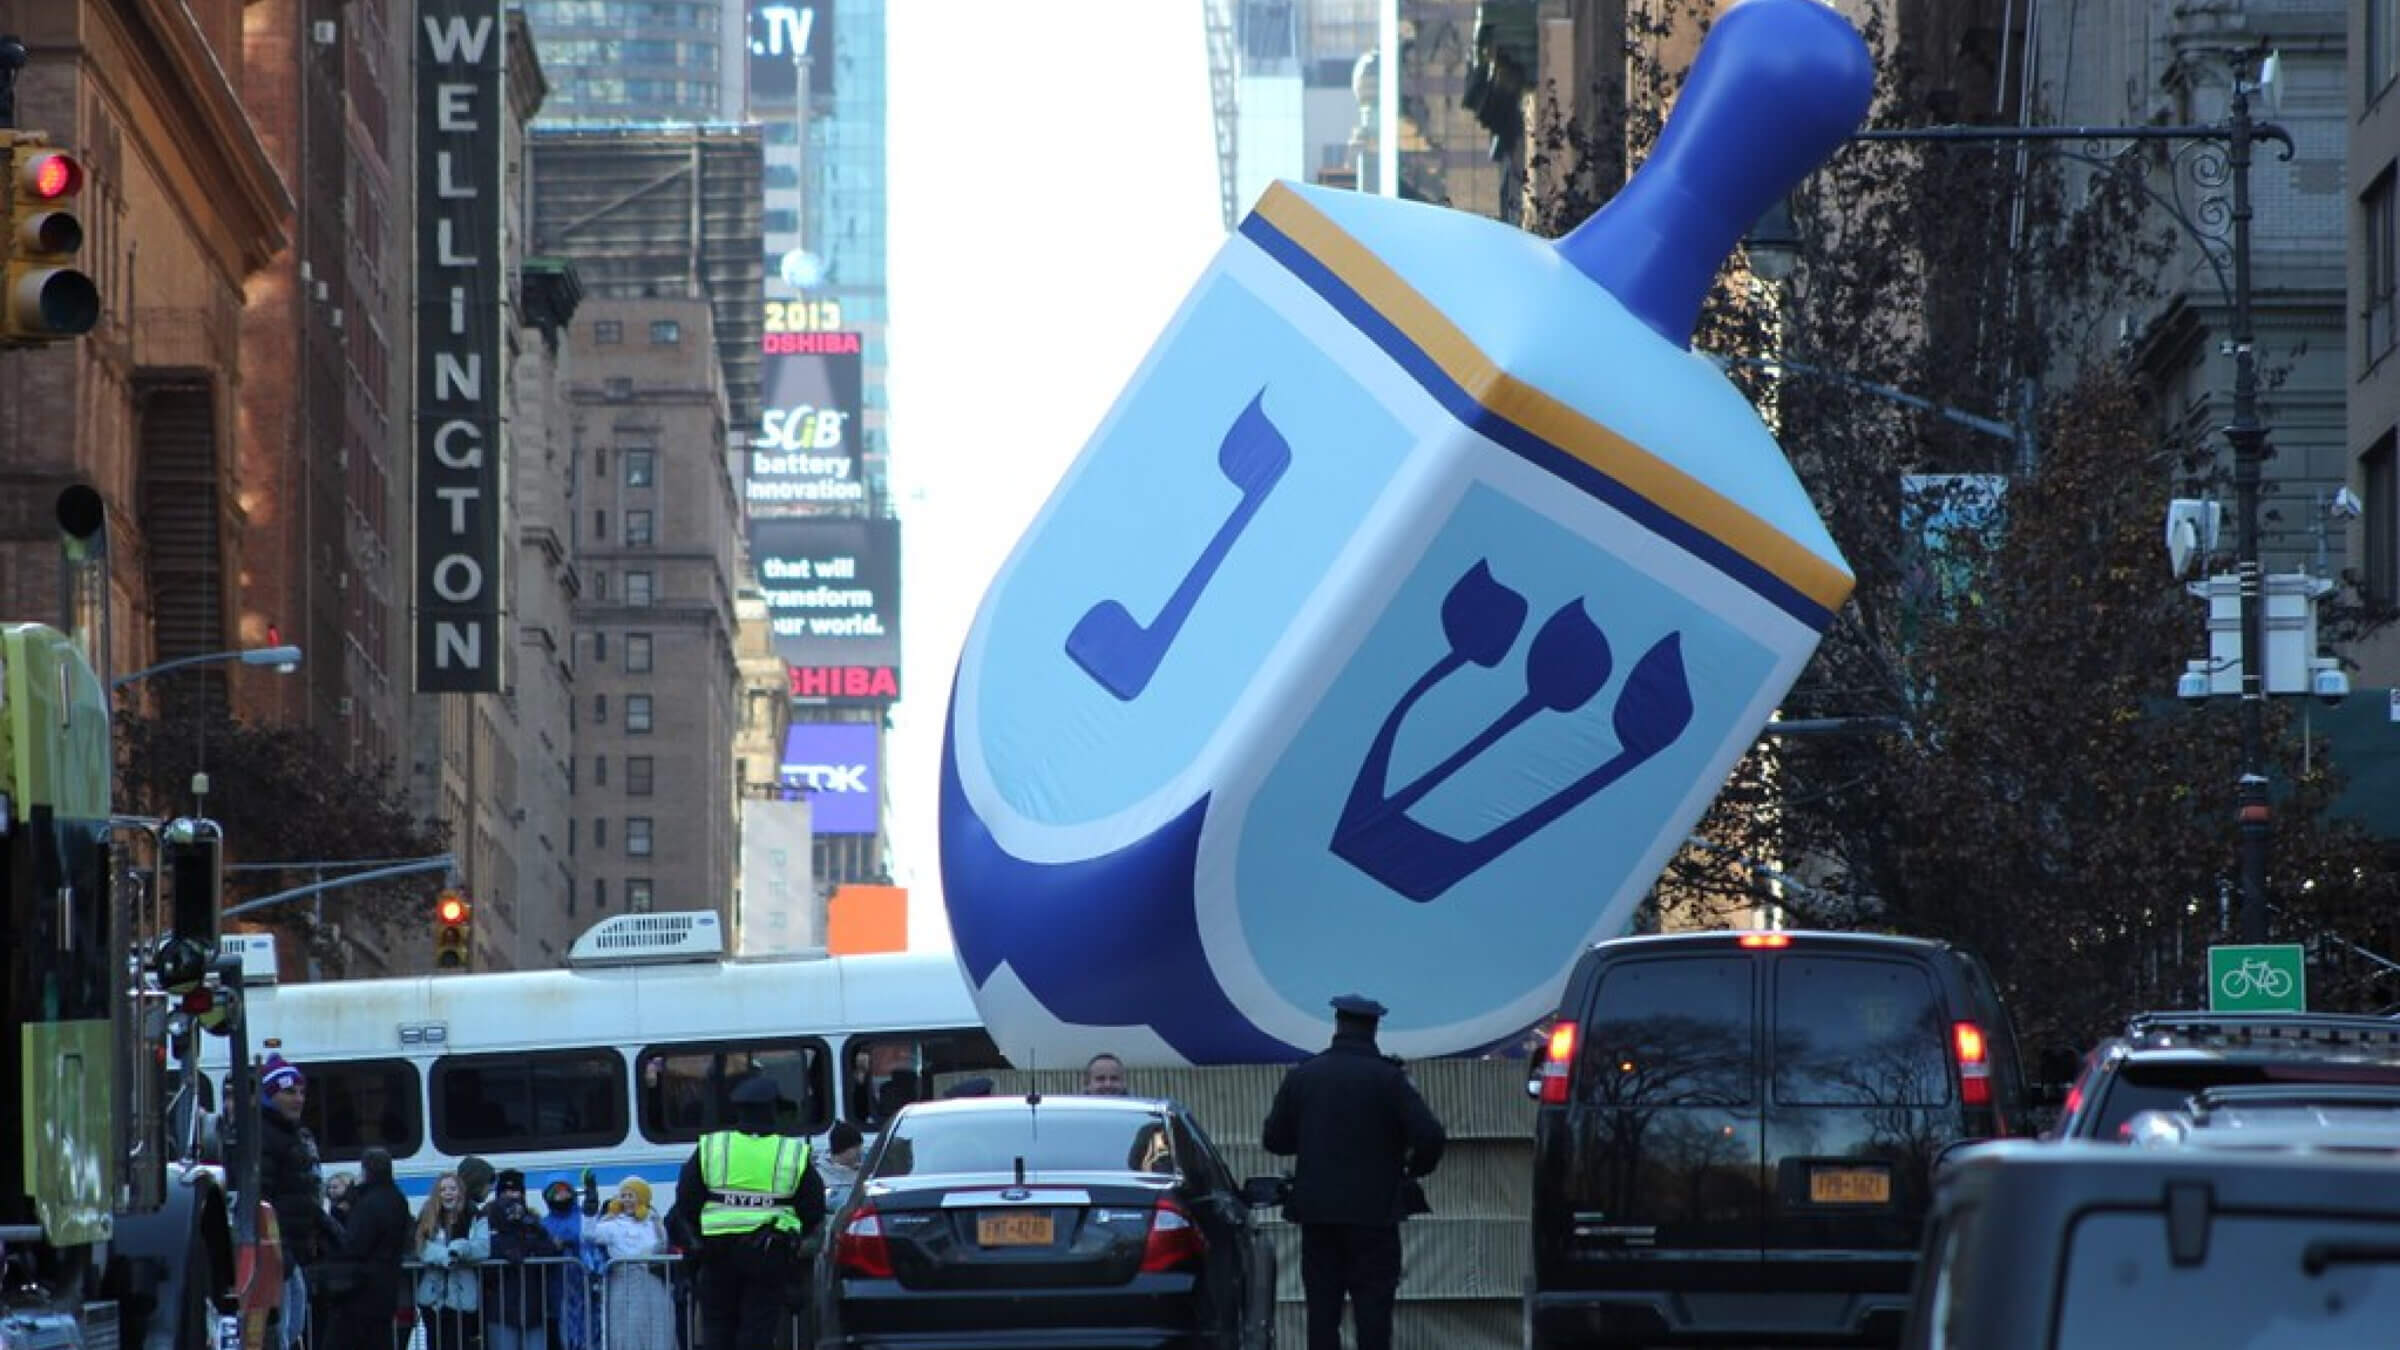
(640, 1314)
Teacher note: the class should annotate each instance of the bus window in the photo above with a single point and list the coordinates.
(889, 1069)
(687, 1088)
(364, 1104)
(519, 1103)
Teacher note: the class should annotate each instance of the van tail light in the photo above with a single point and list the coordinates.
(1174, 1241)
(1974, 1064)
(1557, 1055)
(861, 1248)
(1755, 941)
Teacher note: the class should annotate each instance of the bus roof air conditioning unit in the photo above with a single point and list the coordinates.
(257, 951)
(648, 939)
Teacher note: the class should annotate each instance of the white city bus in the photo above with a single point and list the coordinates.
(617, 1063)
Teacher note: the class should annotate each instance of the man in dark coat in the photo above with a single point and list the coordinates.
(366, 1268)
(515, 1295)
(1363, 1136)
(291, 1179)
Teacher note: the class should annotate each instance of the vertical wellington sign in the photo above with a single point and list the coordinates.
(461, 116)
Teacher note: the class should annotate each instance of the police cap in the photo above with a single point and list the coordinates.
(758, 1091)
(1358, 1005)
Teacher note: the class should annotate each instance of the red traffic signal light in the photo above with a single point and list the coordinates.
(453, 942)
(51, 174)
(46, 298)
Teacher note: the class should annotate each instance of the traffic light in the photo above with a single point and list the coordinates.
(454, 931)
(46, 299)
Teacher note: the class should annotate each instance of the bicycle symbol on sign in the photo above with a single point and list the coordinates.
(2254, 976)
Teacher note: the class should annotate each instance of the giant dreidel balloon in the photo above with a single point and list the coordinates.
(1402, 616)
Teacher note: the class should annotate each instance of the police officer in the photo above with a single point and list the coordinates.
(1363, 1136)
(759, 1199)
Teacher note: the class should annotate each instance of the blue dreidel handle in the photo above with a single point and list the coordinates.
(1777, 86)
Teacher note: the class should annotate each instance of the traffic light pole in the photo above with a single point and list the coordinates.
(437, 863)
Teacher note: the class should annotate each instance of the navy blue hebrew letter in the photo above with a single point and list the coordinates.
(1121, 652)
(1566, 667)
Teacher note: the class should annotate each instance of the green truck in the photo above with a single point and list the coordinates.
(110, 1238)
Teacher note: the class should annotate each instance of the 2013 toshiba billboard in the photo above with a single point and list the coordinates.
(805, 457)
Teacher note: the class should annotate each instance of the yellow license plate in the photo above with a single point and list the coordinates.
(1013, 1230)
(1849, 1186)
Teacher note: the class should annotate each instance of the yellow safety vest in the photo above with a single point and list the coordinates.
(751, 1180)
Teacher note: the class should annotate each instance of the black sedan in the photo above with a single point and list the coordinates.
(1050, 1221)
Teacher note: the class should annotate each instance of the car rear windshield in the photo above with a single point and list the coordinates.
(1671, 1031)
(1852, 1031)
(2168, 1085)
(2264, 1282)
(1048, 1139)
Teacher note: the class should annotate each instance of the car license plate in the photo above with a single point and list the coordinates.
(1013, 1230)
(1849, 1186)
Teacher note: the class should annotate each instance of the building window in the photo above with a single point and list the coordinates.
(637, 712)
(599, 710)
(637, 529)
(599, 832)
(637, 894)
(637, 653)
(599, 524)
(2379, 232)
(2382, 523)
(781, 220)
(637, 836)
(599, 583)
(599, 771)
(637, 775)
(599, 646)
(665, 333)
(617, 388)
(2383, 45)
(607, 332)
(638, 588)
(600, 463)
(641, 468)
(599, 892)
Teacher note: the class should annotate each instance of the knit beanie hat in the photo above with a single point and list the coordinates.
(278, 1076)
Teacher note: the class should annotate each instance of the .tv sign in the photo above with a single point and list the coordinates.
(833, 764)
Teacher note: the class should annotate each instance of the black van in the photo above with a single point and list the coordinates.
(1737, 1133)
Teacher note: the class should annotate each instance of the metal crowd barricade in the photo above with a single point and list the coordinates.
(632, 1303)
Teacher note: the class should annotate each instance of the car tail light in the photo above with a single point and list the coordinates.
(1556, 1057)
(861, 1249)
(1974, 1064)
(1755, 941)
(1174, 1241)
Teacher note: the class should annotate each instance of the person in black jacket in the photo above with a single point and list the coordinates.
(290, 1179)
(514, 1294)
(1363, 1136)
(362, 1276)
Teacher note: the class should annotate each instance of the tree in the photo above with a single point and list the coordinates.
(2046, 803)
(282, 793)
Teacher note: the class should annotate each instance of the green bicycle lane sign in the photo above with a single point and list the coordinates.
(2263, 978)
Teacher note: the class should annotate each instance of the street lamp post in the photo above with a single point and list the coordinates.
(285, 660)
(2247, 436)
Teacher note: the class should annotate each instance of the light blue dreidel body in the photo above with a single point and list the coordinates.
(1401, 618)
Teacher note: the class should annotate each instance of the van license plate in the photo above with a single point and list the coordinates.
(1013, 1230)
(1849, 1186)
